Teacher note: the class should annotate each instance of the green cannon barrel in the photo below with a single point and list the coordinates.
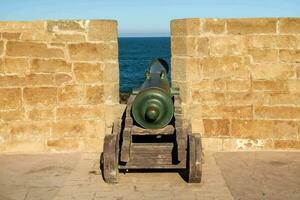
(153, 106)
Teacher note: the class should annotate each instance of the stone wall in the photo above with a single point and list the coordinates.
(239, 80)
(59, 84)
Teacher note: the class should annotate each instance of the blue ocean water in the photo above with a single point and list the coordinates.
(135, 55)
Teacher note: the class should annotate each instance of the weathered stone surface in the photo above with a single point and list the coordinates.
(40, 96)
(93, 52)
(69, 38)
(264, 55)
(16, 65)
(29, 130)
(227, 45)
(285, 130)
(32, 49)
(251, 26)
(186, 69)
(1, 47)
(184, 46)
(202, 46)
(289, 25)
(1, 66)
(62, 78)
(270, 85)
(226, 111)
(272, 71)
(11, 35)
(111, 72)
(216, 26)
(71, 94)
(252, 129)
(238, 85)
(102, 30)
(78, 128)
(287, 144)
(12, 81)
(10, 98)
(95, 94)
(185, 27)
(216, 127)
(39, 80)
(292, 56)
(277, 112)
(88, 73)
(50, 66)
(65, 26)
(11, 115)
(67, 144)
(80, 112)
(40, 114)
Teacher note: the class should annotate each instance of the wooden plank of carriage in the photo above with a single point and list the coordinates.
(167, 130)
(125, 149)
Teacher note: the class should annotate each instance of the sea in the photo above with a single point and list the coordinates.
(135, 55)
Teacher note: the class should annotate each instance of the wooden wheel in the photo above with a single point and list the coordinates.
(110, 159)
(194, 159)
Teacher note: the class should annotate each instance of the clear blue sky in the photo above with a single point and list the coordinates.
(148, 17)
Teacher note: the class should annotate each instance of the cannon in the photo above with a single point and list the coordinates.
(152, 133)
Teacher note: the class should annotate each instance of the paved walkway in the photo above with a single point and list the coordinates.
(236, 175)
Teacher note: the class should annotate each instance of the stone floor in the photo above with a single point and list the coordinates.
(226, 175)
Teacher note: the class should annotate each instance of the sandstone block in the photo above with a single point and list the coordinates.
(212, 144)
(292, 56)
(277, 112)
(71, 95)
(289, 25)
(264, 55)
(297, 71)
(285, 130)
(40, 96)
(11, 35)
(227, 45)
(16, 65)
(185, 69)
(184, 46)
(197, 126)
(294, 85)
(185, 27)
(10, 98)
(102, 30)
(261, 41)
(212, 85)
(39, 80)
(11, 115)
(251, 26)
(62, 78)
(202, 46)
(208, 97)
(287, 144)
(1, 66)
(111, 72)
(95, 94)
(32, 49)
(238, 85)
(111, 93)
(270, 85)
(215, 26)
(66, 26)
(216, 127)
(80, 112)
(271, 71)
(69, 38)
(284, 98)
(93, 52)
(67, 144)
(40, 114)
(12, 81)
(1, 47)
(286, 41)
(252, 129)
(29, 130)
(78, 128)
(245, 98)
(88, 73)
(50, 66)
(227, 111)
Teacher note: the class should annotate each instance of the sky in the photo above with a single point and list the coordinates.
(148, 17)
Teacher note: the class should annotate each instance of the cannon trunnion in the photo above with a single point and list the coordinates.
(152, 134)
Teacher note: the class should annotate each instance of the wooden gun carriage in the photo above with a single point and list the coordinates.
(171, 146)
